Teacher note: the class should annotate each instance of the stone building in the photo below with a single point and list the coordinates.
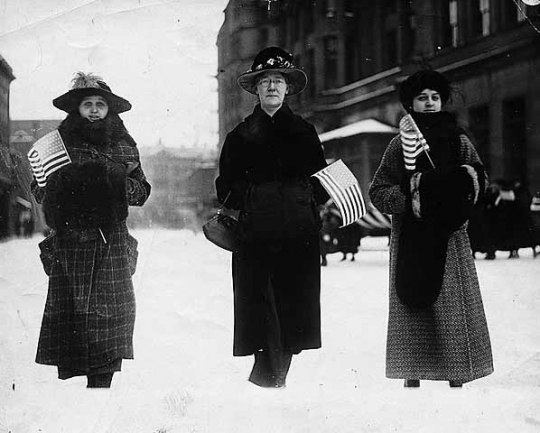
(6, 165)
(356, 52)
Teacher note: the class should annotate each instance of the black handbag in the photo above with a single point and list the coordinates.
(222, 230)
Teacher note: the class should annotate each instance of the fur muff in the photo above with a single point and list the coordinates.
(86, 196)
(442, 201)
(447, 197)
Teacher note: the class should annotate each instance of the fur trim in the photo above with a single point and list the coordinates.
(74, 129)
(415, 195)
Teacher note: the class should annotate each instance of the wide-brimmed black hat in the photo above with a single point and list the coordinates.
(425, 79)
(87, 85)
(274, 59)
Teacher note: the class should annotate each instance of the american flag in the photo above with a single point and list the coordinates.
(47, 155)
(343, 187)
(413, 142)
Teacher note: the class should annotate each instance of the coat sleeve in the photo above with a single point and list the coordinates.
(37, 191)
(469, 156)
(138, 189)
(231, 178)
(389, 191)
(317, 163)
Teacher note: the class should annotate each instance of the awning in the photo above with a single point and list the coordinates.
(366, 126)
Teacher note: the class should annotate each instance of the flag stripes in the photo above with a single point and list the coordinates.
(374, 219)
(343, 187)
(47, 155)
(412, 141)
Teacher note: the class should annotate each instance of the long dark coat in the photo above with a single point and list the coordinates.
(448, 340)
(89, 314)
(265, 164)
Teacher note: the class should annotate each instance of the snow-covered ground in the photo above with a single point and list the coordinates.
(184, 378)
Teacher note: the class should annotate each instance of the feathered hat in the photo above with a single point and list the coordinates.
(274, 59)
(87, 85)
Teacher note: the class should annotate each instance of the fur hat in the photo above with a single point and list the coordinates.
(274, 59)
(88, 85)
(425, 79)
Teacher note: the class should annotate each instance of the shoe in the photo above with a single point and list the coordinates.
(100, 380)
(412, 383)
(455, 383)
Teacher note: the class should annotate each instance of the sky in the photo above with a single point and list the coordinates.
(161, 55)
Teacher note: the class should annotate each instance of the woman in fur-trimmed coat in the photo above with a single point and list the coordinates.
(437, 328)
(87, 326)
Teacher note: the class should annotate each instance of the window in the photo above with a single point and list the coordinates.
(486, 17)
(453, 19)
(479, 126)
(329, 8)
(508, 14)
(445, 27)
(390, 48)
(475, 17)
(308, 17)
(351, 58)
(515, 138)
(330, 61)
(312, 86)
(349, 8)
(389, 33)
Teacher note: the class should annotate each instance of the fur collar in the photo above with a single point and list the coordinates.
(75, 129)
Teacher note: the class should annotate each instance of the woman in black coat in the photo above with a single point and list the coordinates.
(265, 171)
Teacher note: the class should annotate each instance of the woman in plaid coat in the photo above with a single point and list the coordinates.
(87, 326)
(437, 328)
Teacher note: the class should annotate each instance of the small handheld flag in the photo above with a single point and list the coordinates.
(343, 187)
(47, 155)
(413, 142)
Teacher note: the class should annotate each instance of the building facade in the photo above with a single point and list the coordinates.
(356, 52)
(182, 189)
(7, 222)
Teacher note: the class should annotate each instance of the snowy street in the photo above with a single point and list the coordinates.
(185, 379)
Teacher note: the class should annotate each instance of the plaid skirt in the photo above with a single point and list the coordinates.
(90, 309)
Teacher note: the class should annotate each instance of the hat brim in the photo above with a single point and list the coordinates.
(71, 100)
(297, 79)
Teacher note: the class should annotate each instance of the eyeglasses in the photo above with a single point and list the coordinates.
(265, 82)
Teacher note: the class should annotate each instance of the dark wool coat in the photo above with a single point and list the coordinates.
(265, 164)
(90, 257)
(448, 340)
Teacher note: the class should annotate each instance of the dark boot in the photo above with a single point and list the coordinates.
(412, 383)
(514, 254)
(455, 383)
(270, 370)
(102, 380)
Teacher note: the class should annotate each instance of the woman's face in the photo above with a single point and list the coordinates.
(272, 88)
(427, 101)
(93, 108)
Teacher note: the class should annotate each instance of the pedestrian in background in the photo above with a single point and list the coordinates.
(264, 172)
(437, 328)
(90, 257)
